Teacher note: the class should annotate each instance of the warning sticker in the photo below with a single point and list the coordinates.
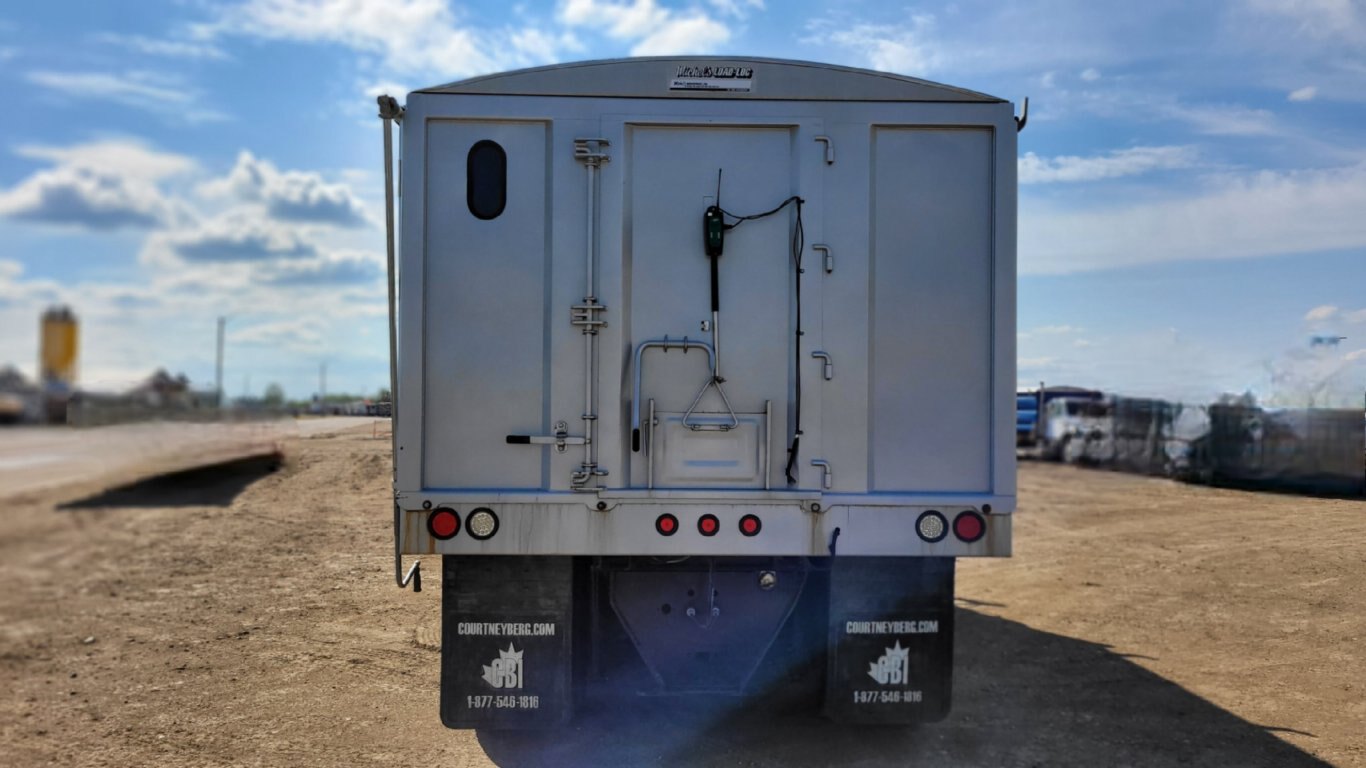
(713, 77)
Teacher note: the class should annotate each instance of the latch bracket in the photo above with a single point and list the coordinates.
(829, 149)
(827, 474)
(560, 439)
(829, 256)
(829, 363)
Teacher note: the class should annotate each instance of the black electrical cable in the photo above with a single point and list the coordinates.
(798, 245)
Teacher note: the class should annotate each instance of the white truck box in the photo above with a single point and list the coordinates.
(571, 376)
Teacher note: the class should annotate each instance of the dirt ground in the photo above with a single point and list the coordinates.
(240, 617)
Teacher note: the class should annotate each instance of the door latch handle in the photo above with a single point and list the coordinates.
(560, 439)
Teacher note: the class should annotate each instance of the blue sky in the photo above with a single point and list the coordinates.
(1192, 199)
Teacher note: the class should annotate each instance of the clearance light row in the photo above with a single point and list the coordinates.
(444, 523)
(708, 525)
(968, 526)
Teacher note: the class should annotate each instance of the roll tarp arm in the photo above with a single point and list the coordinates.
(390, 112)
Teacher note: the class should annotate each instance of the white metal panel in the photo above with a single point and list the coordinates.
(485, 291)
(672, 178)
(932, 310)
(683, 457)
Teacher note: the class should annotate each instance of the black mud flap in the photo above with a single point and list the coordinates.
(506, 652)
(891, 640)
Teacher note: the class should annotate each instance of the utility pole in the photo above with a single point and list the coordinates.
(218, 365)
(322, 381)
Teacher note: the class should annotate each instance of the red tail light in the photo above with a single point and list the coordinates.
(708, 525)
(443, 523)
(666, 524)
(969, 526)
(750, 525)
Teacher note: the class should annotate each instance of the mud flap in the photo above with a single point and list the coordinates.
(890, 640)
(506, 652)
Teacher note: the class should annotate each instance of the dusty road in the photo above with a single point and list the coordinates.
(246, 618)
(39, 460)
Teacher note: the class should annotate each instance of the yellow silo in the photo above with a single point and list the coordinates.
(58, 347)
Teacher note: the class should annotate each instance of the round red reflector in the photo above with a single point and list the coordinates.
(708, 525)
(666, 524)
(443, 523)
(969, 526)
(750, 525)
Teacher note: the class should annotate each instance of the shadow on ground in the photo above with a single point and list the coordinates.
(214, 486)
(1022, 697)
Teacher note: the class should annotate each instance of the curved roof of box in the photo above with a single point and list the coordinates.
(711, 77)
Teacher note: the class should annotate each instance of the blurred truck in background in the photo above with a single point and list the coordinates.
(1032, 412)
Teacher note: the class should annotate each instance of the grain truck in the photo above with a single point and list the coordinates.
(704, 378)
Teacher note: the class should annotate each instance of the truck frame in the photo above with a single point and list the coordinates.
(624, 497)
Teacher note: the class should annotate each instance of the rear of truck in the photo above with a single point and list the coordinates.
(705, 377)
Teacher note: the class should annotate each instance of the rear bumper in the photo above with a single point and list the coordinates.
(791, 525)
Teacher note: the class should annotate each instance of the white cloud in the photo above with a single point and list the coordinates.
(232, 238)
(656, 31)
(736, 8)
(411, 37)
(25, 296)
(1090, 74)
(1328, 313)
(243, 262)
(1222, 119)
(178, 49)
(298, 335)
(1257, 214)
(904, 48)
(131, 88)
(126, 157)
(330, 270)
(1320, 19)
(154, 92)
(1306, 93)
(1321, 314)
(1122, 162)
(387, 88)
(302, 196)
(101, 185)
(696, 33)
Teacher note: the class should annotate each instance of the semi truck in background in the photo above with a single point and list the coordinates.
(1072, 420)
(1034, 408)
(703, 373)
